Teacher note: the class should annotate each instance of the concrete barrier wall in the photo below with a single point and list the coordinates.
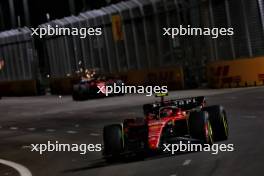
(172, 77)
(18, 88)
(236, 73)
(62, 86)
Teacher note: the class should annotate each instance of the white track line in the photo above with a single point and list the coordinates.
(31, 129)
(186, 162)
(94, 134)
(72, 132)
(23, 171)
(249, 116)
(13, 128)
(26, 147)
(50, 130)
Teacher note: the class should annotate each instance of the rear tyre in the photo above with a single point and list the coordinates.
(76, 96)
(75, 93)
(113, 141)
(139, 128)
(79, 93)
(200, 127)
(218, 120)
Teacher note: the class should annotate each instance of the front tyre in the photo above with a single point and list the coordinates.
(113, 138)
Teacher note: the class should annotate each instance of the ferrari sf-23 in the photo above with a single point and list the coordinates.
(166, 122)
(88, 86)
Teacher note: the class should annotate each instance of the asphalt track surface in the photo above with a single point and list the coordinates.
(28, 120)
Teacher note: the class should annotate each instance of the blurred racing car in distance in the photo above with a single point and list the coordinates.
(166, 122)
(88, 85)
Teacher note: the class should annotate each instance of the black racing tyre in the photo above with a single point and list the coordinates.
(113, 137)
(76, 96)
(200, 127)
(218, 120)
(79, 93)
(75, 93)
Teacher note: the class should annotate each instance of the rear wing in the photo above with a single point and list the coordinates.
(184, 104)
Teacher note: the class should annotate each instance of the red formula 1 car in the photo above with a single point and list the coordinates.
(88, 86)
(166, 122)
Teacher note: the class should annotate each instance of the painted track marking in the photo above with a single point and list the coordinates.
(186, 162)
(94, 134)
(23, 171)
(72, 132)
(50, 130)
(27, 147)
(31, 129)
(249, 116)
(13, 128)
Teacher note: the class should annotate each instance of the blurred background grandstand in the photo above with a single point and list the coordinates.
(16, 13)
(141, 45)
